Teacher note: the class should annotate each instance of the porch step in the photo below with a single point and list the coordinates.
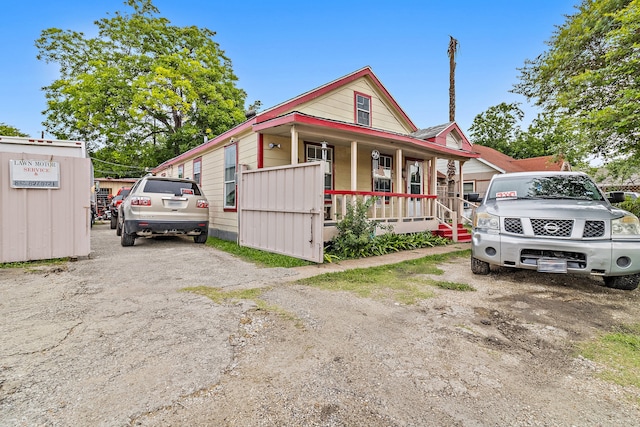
(463, 234)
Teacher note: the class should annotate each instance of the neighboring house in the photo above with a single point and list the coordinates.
(287, 173)
(478, 172)
(608, 182)
(107, 188)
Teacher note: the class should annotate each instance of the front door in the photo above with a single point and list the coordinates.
(415, 185)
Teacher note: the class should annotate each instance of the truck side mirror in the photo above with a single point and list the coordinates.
(616, 197)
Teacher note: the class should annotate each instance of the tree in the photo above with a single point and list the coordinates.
(590, 73)
(8, 130)
(498, 127)
(143, 90)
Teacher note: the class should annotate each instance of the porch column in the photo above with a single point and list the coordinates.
(354, 165)
(399, 187)
(460, 191)
(294, 145)
(433, 184)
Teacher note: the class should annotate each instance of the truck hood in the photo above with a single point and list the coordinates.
(553, 208)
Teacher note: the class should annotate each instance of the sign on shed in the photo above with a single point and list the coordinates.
(45, 199)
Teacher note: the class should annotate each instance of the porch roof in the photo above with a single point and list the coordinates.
(322, 127)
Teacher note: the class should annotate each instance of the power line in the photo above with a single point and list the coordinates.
(117, 164)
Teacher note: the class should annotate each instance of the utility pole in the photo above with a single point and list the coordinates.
(451, 165)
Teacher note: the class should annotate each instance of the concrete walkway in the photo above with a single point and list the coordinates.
(393, 258)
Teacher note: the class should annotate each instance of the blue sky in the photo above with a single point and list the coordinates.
(280, 49)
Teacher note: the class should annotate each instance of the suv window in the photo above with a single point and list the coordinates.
(171, 187)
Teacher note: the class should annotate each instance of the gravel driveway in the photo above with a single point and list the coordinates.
(103, 340)
(110, 341)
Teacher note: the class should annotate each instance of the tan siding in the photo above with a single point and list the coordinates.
(342, 168)
(277, 156)
(339, 105)
(476, 166)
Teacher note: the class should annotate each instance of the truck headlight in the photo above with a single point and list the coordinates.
(486, 221)
(627, 225)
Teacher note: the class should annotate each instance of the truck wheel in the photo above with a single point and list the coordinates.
(114, 221)
(127, 239)
(200, 238)
(626, 283)
(479, 266)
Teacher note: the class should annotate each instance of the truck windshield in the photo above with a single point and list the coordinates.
(545, 187)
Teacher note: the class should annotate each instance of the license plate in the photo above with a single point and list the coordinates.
(552, 265)
(175, 204)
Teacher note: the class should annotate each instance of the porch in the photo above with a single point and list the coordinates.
(404, 213)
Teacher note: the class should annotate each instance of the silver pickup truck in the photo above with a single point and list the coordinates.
(556, 222)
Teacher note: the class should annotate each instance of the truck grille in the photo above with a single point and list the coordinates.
(513, 225)
(552, 227)
(593, 229)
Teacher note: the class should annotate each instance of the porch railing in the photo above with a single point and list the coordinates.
(388, 206)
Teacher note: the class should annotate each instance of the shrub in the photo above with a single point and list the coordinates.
(357, 237)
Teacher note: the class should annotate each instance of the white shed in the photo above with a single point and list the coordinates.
(45, 199)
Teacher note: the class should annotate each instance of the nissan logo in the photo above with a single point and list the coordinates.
(551, 227)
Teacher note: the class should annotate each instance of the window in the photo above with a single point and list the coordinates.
(382, 174)
(467, 187)
(197, 170)
(230, 158)
(314, 154)
(363, 109)
(181, 171)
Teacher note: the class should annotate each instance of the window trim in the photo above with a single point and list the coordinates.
(356, 109)
(225, 207)
(327, 199)
(181, 170)
(390, 179)
(197, 161)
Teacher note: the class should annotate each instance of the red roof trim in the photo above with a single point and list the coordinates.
(296, 117)
(207, 145)
(322, 90)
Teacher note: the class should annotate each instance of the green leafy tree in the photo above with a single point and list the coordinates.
(498, 127)
(589, 75)
(550, 135)
(7, 130)
(143, 90)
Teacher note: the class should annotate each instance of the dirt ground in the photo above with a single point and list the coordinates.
(111, 341)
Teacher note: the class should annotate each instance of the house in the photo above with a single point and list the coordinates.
(282, 179)
(107, 188)
(478, 172)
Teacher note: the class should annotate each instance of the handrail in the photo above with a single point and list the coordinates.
(474, 206)
(441, 211)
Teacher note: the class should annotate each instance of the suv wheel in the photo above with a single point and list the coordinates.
(114, 221)
(201, 238)
(626, 283)
(479, 266)
(118, 229)
(127, 239)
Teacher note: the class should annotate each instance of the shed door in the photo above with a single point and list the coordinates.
(281, 210)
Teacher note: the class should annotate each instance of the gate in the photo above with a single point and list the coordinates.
(281, 210)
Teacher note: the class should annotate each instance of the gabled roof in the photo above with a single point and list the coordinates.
(291, 104)
(438, 134)
(285, 113)
(505, 164)
(431, 132)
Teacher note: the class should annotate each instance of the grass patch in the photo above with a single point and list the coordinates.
(261, 258)
(221, 296)
(619, 353)
(36, 263)
(400, 282)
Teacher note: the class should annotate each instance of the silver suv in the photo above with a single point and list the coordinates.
(557, 222)
(158, 206)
